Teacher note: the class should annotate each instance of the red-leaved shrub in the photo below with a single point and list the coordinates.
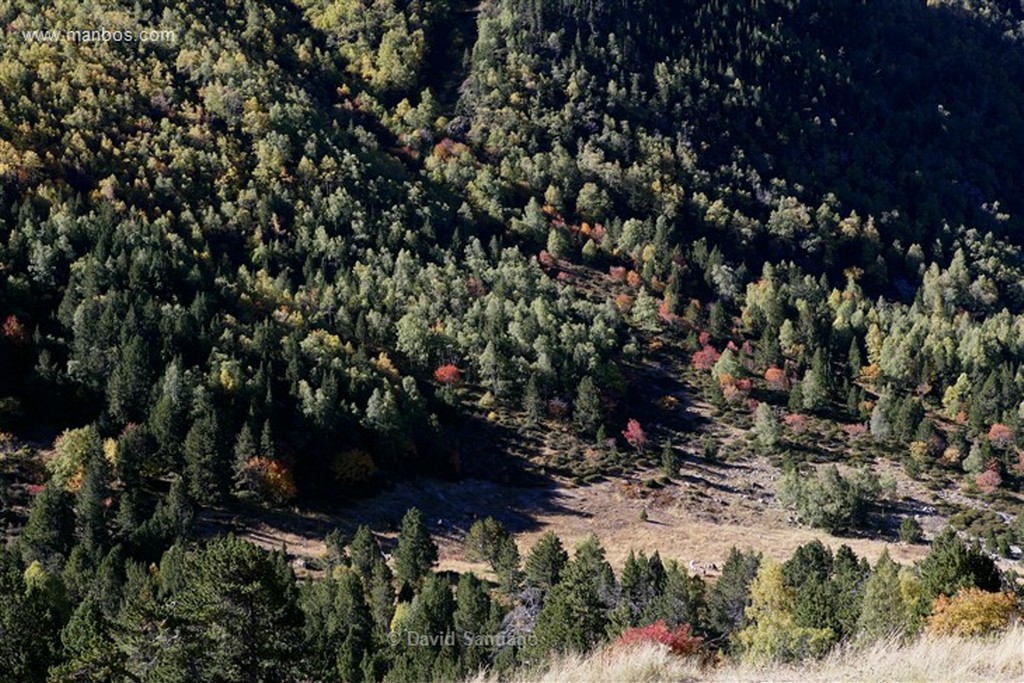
(448, 374)
(1000, 435)
(680, 641)
(635, 435)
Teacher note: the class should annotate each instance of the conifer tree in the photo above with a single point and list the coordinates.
(364, 553)
(587, 413)
(545, 563)
(728, 598)
(47, 536)
(416, 552)
(883, 612)
(204, 468)
(472, 615)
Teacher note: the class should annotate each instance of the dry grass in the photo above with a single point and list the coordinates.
(929, 660)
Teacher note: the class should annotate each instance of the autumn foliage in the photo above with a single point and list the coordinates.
(14, 331)
(972, 612)
(1000, 435)
(271, 480)
(634, 435)
(776, 379)
(680, 641)
(706, 358)
(796, 423)
(990, 479)
(448, 375)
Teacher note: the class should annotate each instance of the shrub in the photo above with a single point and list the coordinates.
(679, 641)
(269, 479)
(972, 612)
(448, 375)
(634, 435)
(910, 530)
(353, 467)
(989, 480)
(1000, 435)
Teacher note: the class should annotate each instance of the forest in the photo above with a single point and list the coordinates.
(301, 253)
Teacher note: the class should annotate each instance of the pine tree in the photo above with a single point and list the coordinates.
(884, 612)
(245, 450)
(382, 595)
(951, 565)
(204, 467)
(364, 553)
(353, 621)
(575, 614)
(416, 552)
(545, 563)
(89, 505)
(532, 401)
(238, 614)
(669, 459)
(472, 617)
(682, 601)
(47, 536)
(430, 615)
(728, 598)
(767, 427)
(587, 412)
(506, 566)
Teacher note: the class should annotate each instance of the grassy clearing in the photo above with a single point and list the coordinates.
(928, 660)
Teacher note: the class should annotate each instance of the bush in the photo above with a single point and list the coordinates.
(973, 612)
(910, 530)
(679, 641)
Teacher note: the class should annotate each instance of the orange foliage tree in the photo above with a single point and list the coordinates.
(973, 612)
(269, 479)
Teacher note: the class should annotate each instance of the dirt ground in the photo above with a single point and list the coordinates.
(695, 519)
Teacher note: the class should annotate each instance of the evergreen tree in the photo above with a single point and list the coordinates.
(728, 598)
(767, 427)
(545, 563)
(669, 459)
(951, 565)
(682, 601)
(352, 621)
(204, 469)
(427, 646)
(575, 614)
(31, 618)
(587, 412)
(364, 553)
(237, 615)
(884, 612)
(48, 534)
(416, 552)
(89, 504)
(472, 616)
(382, 595)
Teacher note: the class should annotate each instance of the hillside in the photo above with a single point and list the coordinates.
(540, 319)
